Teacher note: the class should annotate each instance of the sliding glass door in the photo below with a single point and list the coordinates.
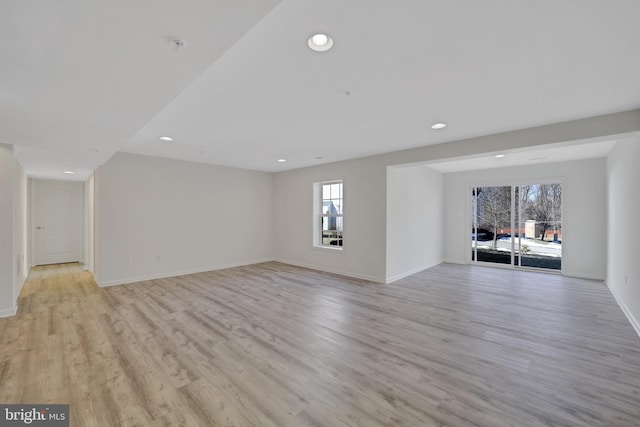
(541, 225)
(492, 207)
(518, 225)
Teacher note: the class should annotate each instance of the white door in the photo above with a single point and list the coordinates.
(56, 221)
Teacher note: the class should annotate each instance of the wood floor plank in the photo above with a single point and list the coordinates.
(276, 345)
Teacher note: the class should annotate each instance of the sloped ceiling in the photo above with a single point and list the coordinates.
(87, 79)
(81, 78)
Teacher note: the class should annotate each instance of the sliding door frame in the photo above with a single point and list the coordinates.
(513, 184)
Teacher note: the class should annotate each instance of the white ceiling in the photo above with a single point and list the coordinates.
(84, 79)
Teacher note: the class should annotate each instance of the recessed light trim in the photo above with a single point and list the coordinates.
(437, 126)
(282, 160)
(500, 156)
(166, 138)
(69, 172)
(320, 42)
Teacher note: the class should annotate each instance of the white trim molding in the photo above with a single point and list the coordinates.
(128, 280)
(583, 275)
(456, 261)
(634, 322)
(410, 273)
(9, 312)
(332, 271)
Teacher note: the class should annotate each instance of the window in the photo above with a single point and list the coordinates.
(518, 225)
(329, 232)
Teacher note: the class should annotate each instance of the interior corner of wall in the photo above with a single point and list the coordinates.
(21, 279)
(632, 319)
(97, 280)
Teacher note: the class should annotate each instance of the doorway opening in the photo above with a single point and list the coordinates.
(517, 225)
(56, 221)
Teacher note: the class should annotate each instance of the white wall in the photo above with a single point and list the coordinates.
(365, 206)
(365, 245)
(89, 215)
(414, 220)
(20, 229)
(12, 230)
(623, 227)
(7, 160)
(157, 218)
(584, 210)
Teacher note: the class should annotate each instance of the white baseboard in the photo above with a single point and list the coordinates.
(583, 275)
(410, 272)
(331, 270)
(634, 322)
(96, 279)
(455, 261)
(8, 312)
(136, 279)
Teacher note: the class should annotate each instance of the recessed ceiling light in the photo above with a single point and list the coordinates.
(69, 172)
(438, 126)
(282, 160)
(166, 138)
(320, 42)
(500, 156)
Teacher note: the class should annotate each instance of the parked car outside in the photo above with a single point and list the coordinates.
(483, 235)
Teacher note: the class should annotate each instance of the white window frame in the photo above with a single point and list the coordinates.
(562, 180)
(318, 215)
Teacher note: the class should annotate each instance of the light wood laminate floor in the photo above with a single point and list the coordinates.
(276, 345)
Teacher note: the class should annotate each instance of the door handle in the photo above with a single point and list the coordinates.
(39, 228)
